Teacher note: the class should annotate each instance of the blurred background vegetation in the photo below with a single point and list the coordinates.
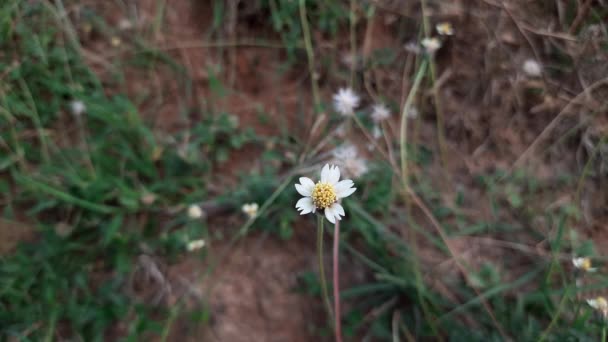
(117, 117)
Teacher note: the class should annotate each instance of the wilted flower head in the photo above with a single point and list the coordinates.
(195, 212)
(583, 264)
(77, 107)
(347, 157)
(251, 209)
(380, 112)
(325, 194)
(345, 101)
(600, 304)
(195, 245)
(445, 29)
(431, 45)
(532, 68)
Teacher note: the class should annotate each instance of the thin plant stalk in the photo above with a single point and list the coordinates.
(438, 107)
(322, 278)
(310, 54)
(403, 130)
(353, 42)
(338, 326)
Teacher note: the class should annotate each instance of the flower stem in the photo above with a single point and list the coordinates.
(310, 54)
(604, 334)
(324, 291)
(336, 274)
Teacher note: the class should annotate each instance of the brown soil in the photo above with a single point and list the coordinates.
(253, 294)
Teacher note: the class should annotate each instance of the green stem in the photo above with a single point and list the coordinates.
(604, 334)
(353, 43)
(322, 278)
(406, 108)
(336, 274)
(558, 312)
(310, 54)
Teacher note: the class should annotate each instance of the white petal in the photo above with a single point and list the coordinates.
(307, 186)
(334, 175)
(338, 210)
(305, 206)
(344, 188)
(325, 173)
(305, 189)
(329, 213)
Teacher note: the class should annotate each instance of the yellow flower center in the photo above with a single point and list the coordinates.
(602, 304)
(586, 264)
(323, 195)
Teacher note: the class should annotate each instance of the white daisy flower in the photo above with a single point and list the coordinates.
(345, 101)
(251, 209)
(195, 245)
(77, 107)
(380, 112)
(445, 29)
(600, 304)
(431, 45)
(325, 194)
(532, 68)
(195, 212)
(583, 264)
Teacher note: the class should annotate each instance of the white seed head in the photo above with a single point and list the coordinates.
(431, 45)
(125, 24)
(345, 101)
(347, 157)
(115, 41)
(195, 212)
(77, 107)
(380, 112)
(532, 68)
(147, 198)
(195, 245)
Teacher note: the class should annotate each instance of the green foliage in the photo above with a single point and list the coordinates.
(84, 180)
(104, 187)
(326, 16)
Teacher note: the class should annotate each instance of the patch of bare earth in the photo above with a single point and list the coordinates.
(253, 293)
